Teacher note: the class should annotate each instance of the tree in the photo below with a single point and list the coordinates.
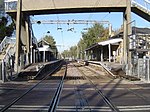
(50, 40)
(73, 52)
(65, 54)
(52, 43)
(94, 34)
(5, 29)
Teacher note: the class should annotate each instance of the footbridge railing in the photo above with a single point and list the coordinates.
(6, 41)
(142, 4)
(10, 5)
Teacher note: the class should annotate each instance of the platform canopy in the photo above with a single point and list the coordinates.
(104, 43)
(111, 41)
(45, 48)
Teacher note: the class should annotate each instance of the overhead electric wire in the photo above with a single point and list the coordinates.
(96, 4)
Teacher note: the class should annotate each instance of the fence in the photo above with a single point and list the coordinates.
(143, 69)
(2, 71)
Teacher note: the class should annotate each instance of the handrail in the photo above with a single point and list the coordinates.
(6, 40)
(3, 43)
(9, 53)
(10, 5)
(11, 50)
(144, 4)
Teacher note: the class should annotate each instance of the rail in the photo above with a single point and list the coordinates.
(142, 4)
(145, 4)
(7, 58)
(10, 5)
(53, 105)
(6, 107)
(6, 41)
(9, 52)
(105, 98)
(105, 68)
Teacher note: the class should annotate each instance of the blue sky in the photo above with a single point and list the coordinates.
(67, 38)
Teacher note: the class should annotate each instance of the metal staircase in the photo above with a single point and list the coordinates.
(141, 8)
(7, 50)
(5, 45)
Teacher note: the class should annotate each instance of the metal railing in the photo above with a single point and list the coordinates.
(9, 52)
(6, 61)
(6, 41)
(6, 64)
(142, 4)
(143, 69)
(10, 5)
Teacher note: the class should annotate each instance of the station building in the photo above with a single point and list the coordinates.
(45, 51)
(111, 50)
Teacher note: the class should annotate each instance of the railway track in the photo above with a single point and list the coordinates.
(81, 97)
(105, 98)
(128, 89)
(78, 88)
(84, 70)
(52, 104)
(55, 100)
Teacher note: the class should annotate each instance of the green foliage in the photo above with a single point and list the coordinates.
(65, 54)
(50, 40)
(6, 30)
(73, 52)
(94, 34)
(52, 43)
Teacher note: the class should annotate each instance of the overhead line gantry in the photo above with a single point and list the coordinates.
(73, 22)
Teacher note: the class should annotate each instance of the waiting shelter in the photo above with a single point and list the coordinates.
(105, 51)
(45, 51)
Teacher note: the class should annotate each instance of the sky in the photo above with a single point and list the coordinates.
(65, 39)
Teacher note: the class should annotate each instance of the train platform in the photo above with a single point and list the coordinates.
(110, 65)
(82, 90)
(33, 67)
(116, 69)
(30, 71)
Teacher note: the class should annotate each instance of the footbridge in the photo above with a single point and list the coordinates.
(20, 10)
(34, 7)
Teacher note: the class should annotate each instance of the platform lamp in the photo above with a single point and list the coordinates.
(48, 31)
